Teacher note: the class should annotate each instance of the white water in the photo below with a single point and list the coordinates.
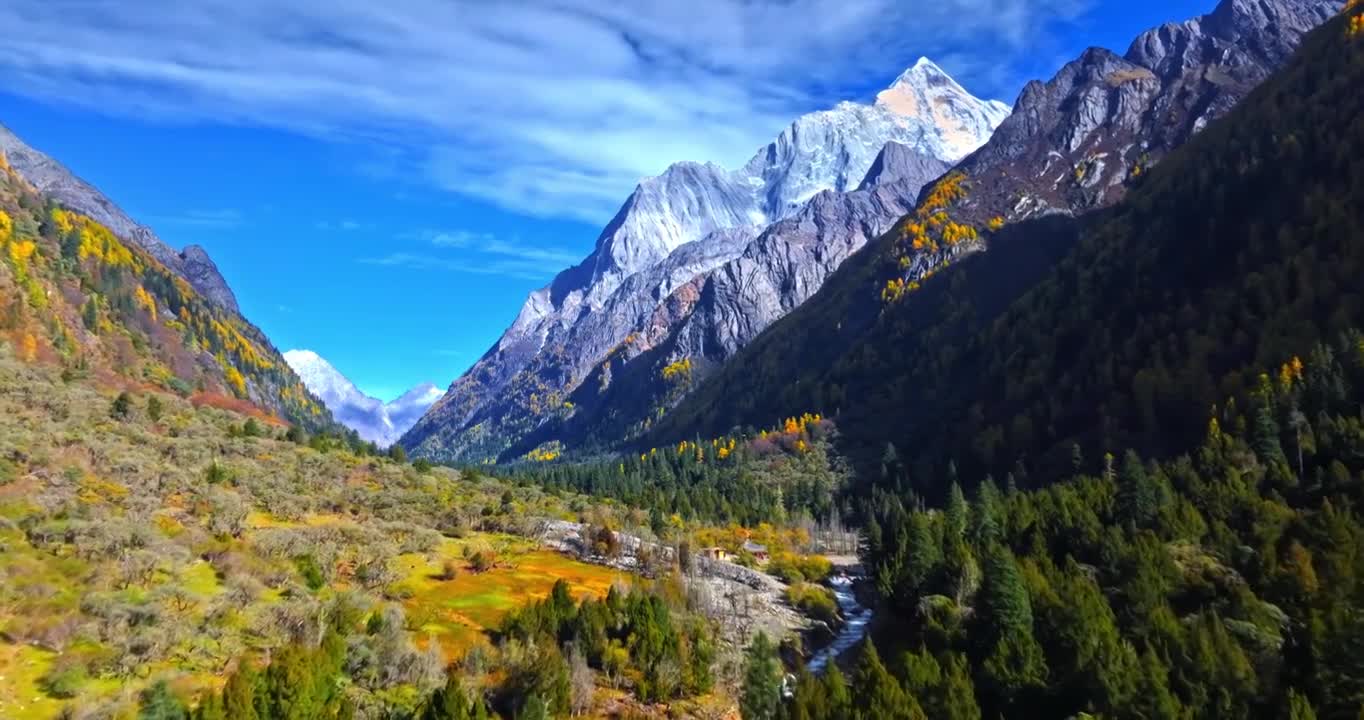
(856, 618)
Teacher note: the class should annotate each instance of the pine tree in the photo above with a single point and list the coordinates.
(1138, 496)
(159, 703)
(1013, 659)
(533, 709)
(449, 702)
(837, 692)
(239, 694)
(985, 518)
(879, 695)
(761, 698)
(1298, 707)
(956, 514)
(211, 708)
(122, 406)
(958, 692)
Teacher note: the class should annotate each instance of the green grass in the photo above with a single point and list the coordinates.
(21, 698)
(200, 579)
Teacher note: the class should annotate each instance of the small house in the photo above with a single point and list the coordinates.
(759, 552)
(714, 553)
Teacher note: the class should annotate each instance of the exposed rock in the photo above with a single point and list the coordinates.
(1130, 110)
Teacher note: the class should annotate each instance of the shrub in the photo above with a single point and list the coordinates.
(64, 681)
(311, 573)
(816, 601)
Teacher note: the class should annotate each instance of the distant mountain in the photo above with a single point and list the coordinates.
(951, 368)
(57, 182)
(374, 420)
(780, 220)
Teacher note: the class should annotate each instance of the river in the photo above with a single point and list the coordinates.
(856, 619)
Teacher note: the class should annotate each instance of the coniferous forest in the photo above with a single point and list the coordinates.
(1160, 515)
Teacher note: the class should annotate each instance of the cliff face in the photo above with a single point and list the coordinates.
(1073, 141)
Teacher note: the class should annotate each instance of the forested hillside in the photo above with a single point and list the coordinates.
(1216, 575)
(1234, 253)
(75, 295)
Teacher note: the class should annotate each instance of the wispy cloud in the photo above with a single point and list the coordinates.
(346, 225)
(547, 107)
(512, 267)
(481, 253)
(221, 218)
(489, 244)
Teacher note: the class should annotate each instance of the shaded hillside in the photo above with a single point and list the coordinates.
(1238, 250)
(73, 294)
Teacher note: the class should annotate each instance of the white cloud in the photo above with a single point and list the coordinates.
(222, 218)
(549, 107)
(479, 253)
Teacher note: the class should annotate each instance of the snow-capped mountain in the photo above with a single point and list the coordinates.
(677, 228)
(374, 420)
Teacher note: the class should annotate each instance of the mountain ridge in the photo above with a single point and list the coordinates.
(650, 257)
(55, 180)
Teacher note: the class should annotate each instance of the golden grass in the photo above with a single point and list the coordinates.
(459, 613)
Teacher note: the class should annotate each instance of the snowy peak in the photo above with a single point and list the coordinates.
(959, 121)
(375, 421)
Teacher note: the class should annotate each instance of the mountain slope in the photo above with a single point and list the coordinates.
(693, 225)
(374, 420)
(1237, 251)
(57, 182)
(73, 293)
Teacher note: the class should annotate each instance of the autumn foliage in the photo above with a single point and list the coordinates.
(931, 232)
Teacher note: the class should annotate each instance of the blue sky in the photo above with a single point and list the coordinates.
(385, 182)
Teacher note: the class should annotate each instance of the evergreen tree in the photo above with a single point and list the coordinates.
(837, 692)
(956, 515)
(958, 692)
(1013, 659)
(761, 698)
(533, 709)
(157, 702)
(1138, 495)
(122, 406)
(879, 695)
(1298, 707)
(449, 702)
(211, 708)
(239, 694)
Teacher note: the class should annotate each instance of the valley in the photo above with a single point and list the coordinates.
(935, 407)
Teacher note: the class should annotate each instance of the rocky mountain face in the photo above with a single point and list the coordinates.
(700, 259)
(1078, 140)
(56, 181)
(375, 421)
